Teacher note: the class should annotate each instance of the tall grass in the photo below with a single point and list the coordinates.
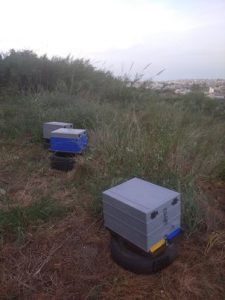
(165, 143)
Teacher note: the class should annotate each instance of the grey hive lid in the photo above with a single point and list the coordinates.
(57, 123)
(140, 194)
(68, 132)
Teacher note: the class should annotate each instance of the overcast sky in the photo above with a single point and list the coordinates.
(187, 38)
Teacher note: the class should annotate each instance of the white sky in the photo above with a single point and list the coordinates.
(185, 37)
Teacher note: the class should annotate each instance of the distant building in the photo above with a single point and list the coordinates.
(211, 90)
(157, 85)
(182, 91)
(215, 93)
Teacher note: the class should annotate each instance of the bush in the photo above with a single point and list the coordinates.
(24, 71)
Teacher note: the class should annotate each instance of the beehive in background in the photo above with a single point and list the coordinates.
(68, 140)
(48, 127)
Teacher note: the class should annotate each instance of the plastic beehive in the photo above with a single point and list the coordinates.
(141, 212)
(48, 127)
(68, 140)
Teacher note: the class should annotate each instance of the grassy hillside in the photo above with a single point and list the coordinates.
(177, 142)
(172, 144)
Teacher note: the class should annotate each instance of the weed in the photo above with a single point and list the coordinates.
(221, 170)
(191, 209)
(94, 293)
(16, 219)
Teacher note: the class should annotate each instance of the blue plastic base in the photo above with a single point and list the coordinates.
(76, 146)
(169, 237)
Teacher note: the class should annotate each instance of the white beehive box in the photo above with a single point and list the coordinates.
(141, 212)
(48, 127)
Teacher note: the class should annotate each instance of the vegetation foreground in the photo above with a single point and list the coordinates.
(53, 243)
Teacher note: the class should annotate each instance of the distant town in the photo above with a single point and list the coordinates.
(213, 88)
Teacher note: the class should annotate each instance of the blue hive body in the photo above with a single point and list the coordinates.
(68, 140)
(84, 140)
(66, 145)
